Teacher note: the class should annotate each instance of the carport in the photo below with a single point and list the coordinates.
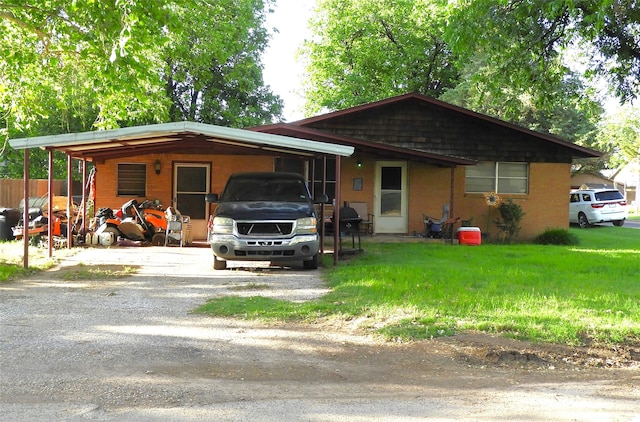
(177, 137)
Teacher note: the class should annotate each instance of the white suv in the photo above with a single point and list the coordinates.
(590, 206)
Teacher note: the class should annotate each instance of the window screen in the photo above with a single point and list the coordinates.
(497, 177)
(132, 179)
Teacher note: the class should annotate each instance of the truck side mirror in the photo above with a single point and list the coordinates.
(321, 198)
(211, 197)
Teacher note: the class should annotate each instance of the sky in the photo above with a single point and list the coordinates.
(282, 72)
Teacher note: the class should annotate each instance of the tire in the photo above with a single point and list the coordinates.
(583, 221)
(618, 223)
(219, 264)
(158, 239)
(311, 264)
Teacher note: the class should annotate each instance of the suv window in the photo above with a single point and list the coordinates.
(586, 197)
(575, 197)
(609, 195)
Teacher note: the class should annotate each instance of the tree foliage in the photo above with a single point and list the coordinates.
(526, 38)
(505, 58)
(68, 66)
(107, 44)
(365, 50)
(212, 68)
(620, 136)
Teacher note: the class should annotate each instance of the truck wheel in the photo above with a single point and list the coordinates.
(311, 264)
(219, 264)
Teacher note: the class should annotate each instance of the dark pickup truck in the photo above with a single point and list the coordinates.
(265, 217)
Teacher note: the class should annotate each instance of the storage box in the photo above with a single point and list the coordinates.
(469, 236)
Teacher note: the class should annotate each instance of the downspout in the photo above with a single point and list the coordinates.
(25, 211)
(336, 213)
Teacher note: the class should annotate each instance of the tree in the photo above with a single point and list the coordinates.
(213, 72)
(528, 37)
(75, 66)
(620, 136)
(83, 65)
(108, 42)
(366, 50)
(572, 114)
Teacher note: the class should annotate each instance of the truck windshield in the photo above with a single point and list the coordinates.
(272, 189)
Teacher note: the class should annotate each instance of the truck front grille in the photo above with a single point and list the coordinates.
(288, 252)
(264, 228)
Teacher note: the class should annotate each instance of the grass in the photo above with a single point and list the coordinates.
(576, 295)
(11, 265)
(97, 272)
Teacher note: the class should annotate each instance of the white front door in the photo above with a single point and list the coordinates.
(190, 184)
(391, 197)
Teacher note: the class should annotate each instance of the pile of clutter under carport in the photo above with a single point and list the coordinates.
(138, 224)
(133, 224)
(39, 214)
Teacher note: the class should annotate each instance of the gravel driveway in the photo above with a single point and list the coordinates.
(130, 349)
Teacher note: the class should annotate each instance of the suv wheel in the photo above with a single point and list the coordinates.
(618, 223)
(311, 264)
(219, 264)
(583, 222)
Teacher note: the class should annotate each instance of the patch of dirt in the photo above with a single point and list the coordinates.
(480, 349)
(92, 272)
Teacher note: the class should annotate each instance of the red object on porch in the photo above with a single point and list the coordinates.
(469, 236)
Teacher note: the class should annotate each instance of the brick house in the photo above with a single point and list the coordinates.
(412, 155)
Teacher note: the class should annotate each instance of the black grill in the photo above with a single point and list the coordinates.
(288, 252)
(248, 229)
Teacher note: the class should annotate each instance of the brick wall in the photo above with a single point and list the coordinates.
(545, 206)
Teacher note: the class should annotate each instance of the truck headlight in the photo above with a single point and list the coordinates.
(306, 225)
(222, 225)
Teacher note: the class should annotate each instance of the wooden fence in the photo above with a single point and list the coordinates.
(12, 190)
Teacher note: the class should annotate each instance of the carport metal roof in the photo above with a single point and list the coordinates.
(177, 137)
(173, 137)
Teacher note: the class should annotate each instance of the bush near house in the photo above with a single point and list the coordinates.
(509, 224)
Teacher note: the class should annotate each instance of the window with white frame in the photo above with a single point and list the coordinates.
(330, 182)
(500, 177)
(132, 179)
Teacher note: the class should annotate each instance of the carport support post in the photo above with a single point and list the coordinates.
(83, 208)
(25, 211)
(69, 201)
(336, 214)
(50, 201)
(451, 201)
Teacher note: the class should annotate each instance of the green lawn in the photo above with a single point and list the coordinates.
(572, 295)
(11, 264)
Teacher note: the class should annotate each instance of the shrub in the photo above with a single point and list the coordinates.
(556, 237)
(511, 214)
